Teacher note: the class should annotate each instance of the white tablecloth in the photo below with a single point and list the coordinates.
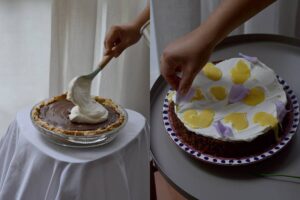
(35, 169)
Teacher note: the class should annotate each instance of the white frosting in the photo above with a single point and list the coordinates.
(261, 75)
(86, 109)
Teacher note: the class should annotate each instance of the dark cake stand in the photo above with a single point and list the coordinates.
(198, 180)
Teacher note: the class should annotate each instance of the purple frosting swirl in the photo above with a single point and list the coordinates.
(280, 110)
(249, 58)
(224, 131)
(237, 93)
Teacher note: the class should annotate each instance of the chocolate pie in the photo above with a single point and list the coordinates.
(53, 115)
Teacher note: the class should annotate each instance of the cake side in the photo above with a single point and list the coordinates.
(227, 149)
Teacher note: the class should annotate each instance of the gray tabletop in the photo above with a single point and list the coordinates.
(199, 180)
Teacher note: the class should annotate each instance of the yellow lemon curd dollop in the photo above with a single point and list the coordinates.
(238, 120)
(218, 92)
(198, 119)
(265, 119)
(256, 96)
(240, 72)
(198, 95)
(212, 72)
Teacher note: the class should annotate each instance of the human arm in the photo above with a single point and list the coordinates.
(120, 37)
(189, 53)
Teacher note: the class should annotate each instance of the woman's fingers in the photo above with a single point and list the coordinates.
(188, 76)
(112, 38)
(169, 72)
(118, 38)
(118, 49)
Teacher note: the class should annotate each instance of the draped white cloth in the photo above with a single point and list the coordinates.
(45, 43)
(32, 168)
(173, 18)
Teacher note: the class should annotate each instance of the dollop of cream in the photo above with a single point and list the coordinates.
(238, 120)
(240, 72)
(198, 119)
(265, 119)
(212, 72)
(198, 96)
(86, 109)
(218, 92)
(255, 96)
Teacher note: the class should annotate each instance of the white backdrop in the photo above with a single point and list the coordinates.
(173, 18)
(45, 43)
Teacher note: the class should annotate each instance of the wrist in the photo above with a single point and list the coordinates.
(136, 25)
(206, 38)
(135, 29)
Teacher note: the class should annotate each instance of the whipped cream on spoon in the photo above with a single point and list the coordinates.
(86, 109)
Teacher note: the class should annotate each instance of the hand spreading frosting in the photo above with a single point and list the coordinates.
(86, 109)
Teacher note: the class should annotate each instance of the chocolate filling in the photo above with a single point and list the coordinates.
(57, 114)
